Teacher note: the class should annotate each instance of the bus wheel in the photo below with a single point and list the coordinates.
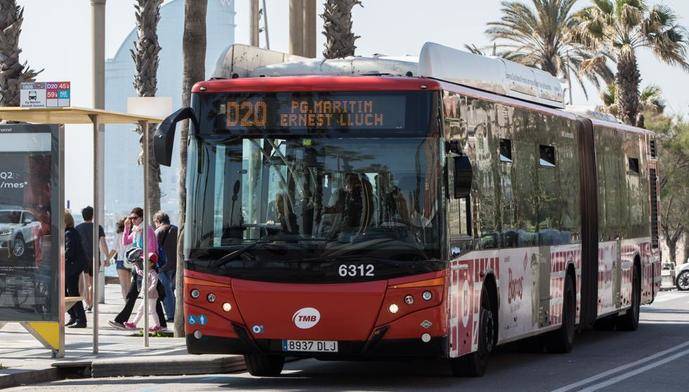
(630, 320)
(261, 365)
(562, 340)
(474, 364)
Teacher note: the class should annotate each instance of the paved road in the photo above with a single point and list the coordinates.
(654, 358)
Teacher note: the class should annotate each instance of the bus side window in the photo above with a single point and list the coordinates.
(459, 216)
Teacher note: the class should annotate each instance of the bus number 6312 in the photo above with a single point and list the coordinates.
(353, 270)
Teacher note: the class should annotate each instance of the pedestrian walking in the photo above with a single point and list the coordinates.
(75, 263)
(85, 230)
(124, 274)
(166, 234)
(152, 278)
(133, 235)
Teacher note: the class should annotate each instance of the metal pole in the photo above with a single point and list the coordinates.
(98, 46)
(265, 24)
(309, 40)
(60, 236)
(296, 27)
(96, 221)
(145, 232)
(253, 23)
(98, 25)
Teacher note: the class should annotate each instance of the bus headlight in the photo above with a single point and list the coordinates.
(195, 293)
(211, 297)
(394, 308)
(226, 306)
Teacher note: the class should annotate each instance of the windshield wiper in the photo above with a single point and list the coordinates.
(230, 256)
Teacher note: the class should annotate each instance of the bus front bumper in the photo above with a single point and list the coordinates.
(384, 348)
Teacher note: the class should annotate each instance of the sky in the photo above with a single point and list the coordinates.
(56, 37)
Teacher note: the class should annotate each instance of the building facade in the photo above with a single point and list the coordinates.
(123, 176)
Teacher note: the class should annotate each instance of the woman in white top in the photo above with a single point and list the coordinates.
(124, 274)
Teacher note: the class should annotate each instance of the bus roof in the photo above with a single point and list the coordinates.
(316, 83)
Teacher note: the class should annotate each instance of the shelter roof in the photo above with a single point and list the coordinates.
(71, 115)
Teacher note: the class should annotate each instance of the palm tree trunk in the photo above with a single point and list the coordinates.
(12, 72)
(146, 59)
(194, 58)
(628, 79)
(337, 28)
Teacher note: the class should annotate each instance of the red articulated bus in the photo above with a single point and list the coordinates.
(358, 214)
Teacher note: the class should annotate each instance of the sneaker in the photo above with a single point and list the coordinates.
(71, 322)
(78, 325)
(155, 329)
(117, 325)
(130, 326)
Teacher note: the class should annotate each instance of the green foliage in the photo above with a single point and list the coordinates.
(541, 35)
(673, 138)
(618, 28)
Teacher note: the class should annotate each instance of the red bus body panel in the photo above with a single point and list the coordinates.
(347, 311)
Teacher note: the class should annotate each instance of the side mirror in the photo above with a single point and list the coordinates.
(463, 174)
(164, 137)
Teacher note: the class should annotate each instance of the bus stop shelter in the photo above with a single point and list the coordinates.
(96, 118)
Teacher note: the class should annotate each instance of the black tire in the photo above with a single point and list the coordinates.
(682, 281)
(18, 247)
(474, 364)
(261, 365)
(630, 320)
(562, 340)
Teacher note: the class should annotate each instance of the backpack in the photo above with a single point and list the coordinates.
(162, 257)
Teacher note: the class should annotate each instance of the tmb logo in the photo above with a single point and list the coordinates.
(306, 318)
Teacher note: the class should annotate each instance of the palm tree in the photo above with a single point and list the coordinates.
(619, 28)
(650, 100)
(337, 26)
(12, 72)
(194, 70)
(146, 58)
(540, 36)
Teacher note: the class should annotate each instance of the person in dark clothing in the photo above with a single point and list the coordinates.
(349, 203)
(85, 230)
(75, 263)
(126, 312)
(166, 234)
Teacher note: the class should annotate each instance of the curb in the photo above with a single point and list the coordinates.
(28, 377)
(131, 367)
(126, 367)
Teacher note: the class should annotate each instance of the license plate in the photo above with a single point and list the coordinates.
(315, 346)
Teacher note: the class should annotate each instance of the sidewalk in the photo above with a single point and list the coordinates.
(23, 360)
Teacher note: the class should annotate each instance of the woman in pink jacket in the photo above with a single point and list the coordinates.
(133, 232)
(133, 235)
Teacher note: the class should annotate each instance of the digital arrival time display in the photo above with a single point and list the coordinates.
(288, 111)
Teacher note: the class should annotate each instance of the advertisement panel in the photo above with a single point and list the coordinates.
(29, 222)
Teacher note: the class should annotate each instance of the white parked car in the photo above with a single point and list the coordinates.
(682, 274)
(18, 231)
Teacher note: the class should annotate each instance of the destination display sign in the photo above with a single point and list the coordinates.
(292, 111)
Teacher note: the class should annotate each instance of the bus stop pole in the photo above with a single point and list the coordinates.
(60, 235)
(144, 125)
(96, 222)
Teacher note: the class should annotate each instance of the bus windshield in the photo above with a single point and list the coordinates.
(261, 207)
